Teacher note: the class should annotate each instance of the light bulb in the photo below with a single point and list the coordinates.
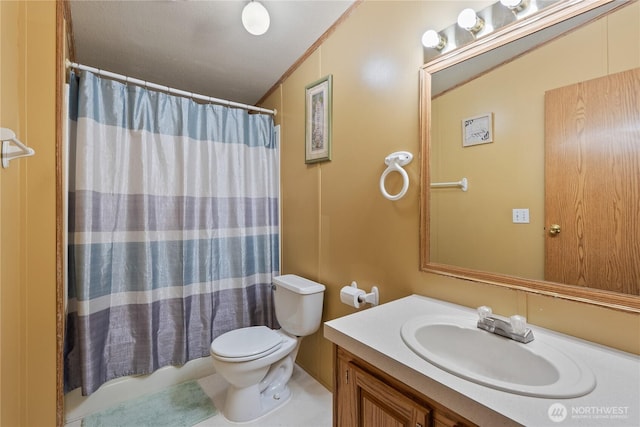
(255, 18)
(510, 3)
(433, 40)
(470, 21)
(515, 5)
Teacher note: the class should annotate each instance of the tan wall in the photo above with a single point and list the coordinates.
(27, 217)
(509, 173)
(337, 227)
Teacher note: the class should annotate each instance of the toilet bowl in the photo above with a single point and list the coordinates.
(257, 361)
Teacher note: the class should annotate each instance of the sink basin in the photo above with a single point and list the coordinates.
(534, 369)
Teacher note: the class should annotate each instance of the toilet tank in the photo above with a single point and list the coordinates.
(298, 302)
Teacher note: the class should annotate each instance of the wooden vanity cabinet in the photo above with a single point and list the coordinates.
(364, 396)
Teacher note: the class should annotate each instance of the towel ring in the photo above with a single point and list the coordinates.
(395, 161)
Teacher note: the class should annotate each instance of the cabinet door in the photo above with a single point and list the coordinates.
(344, 397)
(364, 396)
(378, 404)
(444, 420)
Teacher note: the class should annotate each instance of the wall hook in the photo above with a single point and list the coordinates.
(12, 152)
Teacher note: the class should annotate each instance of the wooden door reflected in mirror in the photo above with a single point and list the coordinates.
(592, 185)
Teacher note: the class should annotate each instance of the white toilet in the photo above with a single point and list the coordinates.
(258, 361)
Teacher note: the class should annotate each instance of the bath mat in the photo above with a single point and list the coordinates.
(182, 405)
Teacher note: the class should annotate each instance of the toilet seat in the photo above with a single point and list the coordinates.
(245, 344)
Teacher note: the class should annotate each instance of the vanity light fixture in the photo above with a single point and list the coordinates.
(255, 18)
(470, 21)
(434, 40)
(515, 5)
(482, 23)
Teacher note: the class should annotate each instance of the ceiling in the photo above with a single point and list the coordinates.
(199, 46)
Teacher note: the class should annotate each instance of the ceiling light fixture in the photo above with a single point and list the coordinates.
(470, 21)
(255, 18)
(434, 40)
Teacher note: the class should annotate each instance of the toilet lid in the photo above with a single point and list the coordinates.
(254, 341)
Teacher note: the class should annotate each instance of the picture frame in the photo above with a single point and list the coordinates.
(477, 130)
(318, 120)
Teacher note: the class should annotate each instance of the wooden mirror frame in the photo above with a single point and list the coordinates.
(552, 15)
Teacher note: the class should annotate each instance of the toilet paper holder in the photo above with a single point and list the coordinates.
(372, 297)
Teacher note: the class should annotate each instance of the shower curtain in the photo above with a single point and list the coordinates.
(173, 228)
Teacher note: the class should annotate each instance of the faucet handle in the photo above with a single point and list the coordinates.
(518, 323)
(484, 312)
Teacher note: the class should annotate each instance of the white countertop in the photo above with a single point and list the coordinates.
(374, 335)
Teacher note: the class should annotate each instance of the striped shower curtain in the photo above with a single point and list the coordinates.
(173, 228)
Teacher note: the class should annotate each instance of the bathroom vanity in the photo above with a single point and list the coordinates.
(383, 399)
(379, 378)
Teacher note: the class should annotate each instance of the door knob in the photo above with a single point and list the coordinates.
(554, 229)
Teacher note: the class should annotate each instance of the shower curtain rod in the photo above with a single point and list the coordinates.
(168, 89)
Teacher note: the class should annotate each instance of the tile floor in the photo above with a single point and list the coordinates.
(310, 404)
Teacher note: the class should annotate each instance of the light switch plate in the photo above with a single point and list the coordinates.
(521, 216)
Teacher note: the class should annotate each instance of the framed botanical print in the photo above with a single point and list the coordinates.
(318, 102)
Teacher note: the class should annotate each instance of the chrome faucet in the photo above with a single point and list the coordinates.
(514, 327)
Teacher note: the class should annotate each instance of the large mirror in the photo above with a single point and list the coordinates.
(531, 216)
